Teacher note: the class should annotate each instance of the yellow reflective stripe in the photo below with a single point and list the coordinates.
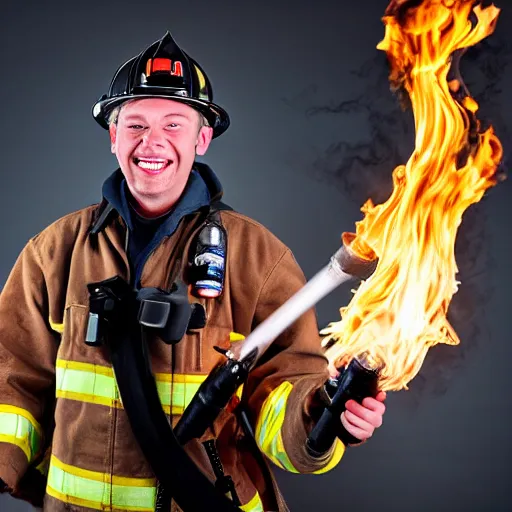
(339, 450)
(184, 387)
(87, 474)
(22, 443)
(99, 491)
(255, 505)
(56, 327)
(86, 367)
(12, 409)
(268, 427)
(44, 465)
(90, 399)
(180, 378)
(269, 434)
(91, 384)
(86, 383)
(182, 394)
(96, 384)
(20, 428)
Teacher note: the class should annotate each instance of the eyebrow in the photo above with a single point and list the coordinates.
(176, 114)
(140, 116)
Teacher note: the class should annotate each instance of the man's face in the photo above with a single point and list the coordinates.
(156, 141)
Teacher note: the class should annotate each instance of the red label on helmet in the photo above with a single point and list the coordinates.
(164, 65)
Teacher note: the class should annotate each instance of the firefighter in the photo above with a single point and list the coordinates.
(65, 439)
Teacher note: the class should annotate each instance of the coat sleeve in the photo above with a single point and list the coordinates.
(28, 347)
(283, 384)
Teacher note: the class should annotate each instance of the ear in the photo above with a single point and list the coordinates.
(204, 137)
(112, 129)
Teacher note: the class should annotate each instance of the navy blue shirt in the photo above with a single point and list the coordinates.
(146, 234)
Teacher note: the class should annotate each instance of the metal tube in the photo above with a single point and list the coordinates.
(343, 266)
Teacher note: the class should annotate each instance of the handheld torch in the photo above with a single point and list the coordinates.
(355, 382)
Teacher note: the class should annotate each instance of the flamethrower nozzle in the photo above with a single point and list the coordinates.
(356, 381)
(212, 396)
(216, 391)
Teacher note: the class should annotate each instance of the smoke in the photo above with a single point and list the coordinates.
(363, 169)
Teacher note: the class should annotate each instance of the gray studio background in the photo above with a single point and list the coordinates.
(445, 444)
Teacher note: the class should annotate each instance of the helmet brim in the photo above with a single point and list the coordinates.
(216, 116)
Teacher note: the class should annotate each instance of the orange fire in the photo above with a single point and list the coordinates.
(400, 311)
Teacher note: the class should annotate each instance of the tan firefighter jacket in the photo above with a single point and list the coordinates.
(64, 436)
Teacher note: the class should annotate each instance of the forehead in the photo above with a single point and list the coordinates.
(157, 107)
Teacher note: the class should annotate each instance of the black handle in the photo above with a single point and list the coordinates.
(355, 382)
(212, 396)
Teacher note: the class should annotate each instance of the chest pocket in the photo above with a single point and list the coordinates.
(195, 352)
(209, 338)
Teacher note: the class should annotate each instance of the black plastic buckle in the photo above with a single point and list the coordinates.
(170, 314)
(107, 300)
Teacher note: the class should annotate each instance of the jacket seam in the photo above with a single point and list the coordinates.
(37, 254)
(248, 220)
(271, 271)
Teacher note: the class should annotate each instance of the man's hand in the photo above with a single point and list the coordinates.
(362, 420)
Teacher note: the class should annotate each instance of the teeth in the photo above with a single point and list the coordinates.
(152, 166)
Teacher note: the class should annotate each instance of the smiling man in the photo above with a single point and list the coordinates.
(155, 141)
(65, 438)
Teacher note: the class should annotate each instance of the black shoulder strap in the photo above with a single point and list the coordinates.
(100, 217)
(172, 466)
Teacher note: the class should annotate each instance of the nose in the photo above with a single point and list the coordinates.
(153, 137)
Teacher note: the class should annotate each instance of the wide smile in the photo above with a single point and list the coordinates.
(152, 165)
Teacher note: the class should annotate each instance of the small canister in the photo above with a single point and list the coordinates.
(209, 261)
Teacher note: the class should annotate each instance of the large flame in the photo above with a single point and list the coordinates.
(400, 311)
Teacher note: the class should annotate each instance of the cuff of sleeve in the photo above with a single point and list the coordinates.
(32, 488)
(298, 424)
(13, 465)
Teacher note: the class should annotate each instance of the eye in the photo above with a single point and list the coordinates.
(173, 126)
(135, 127)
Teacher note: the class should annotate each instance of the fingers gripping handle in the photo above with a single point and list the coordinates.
(355, 382)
